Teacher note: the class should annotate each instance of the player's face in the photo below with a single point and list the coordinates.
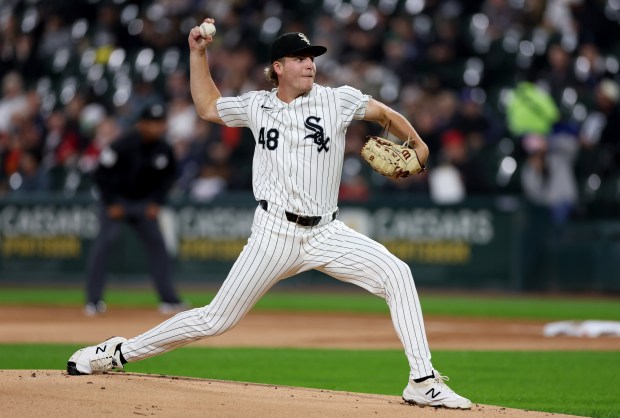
(298, 73)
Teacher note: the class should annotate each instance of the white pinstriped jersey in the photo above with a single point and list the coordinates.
(299, 146)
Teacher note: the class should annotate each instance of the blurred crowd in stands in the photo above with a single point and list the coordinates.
(512, 96)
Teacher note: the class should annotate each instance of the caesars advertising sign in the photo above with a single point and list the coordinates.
(197, 234)
(46, 231)
(425, 235)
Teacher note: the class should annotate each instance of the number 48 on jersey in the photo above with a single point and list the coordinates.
(271, 142)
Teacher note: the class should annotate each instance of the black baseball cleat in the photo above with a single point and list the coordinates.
(72, 369)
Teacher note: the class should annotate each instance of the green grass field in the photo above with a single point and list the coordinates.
(470, 306)
(579, 383)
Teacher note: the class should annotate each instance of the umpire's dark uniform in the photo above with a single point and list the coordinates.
(134, 176)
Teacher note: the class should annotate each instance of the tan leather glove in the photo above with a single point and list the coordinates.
(390, 159)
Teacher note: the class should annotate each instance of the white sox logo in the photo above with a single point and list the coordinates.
(304, 38)
(318, 134)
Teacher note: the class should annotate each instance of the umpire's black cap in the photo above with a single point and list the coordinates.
(294, 43)
(155, 111)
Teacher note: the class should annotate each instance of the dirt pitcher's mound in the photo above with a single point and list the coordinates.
(52, 393)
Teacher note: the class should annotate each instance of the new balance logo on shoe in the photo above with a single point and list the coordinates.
(432, 392)
(102, 349)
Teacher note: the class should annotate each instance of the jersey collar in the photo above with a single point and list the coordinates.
(274, 100)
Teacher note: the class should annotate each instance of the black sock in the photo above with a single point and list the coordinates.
(118, 348)
(422, 379)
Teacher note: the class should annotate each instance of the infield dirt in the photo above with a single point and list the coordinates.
(52, 393)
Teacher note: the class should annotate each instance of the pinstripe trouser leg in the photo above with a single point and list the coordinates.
(349, 256)
(278, 249)
(271, 254)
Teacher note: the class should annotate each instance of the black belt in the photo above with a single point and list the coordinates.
(298, 219)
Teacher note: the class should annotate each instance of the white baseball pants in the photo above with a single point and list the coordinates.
(278, 249)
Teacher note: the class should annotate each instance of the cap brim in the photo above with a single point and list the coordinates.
(314, 50)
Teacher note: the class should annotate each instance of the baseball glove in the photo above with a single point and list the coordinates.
(390, 159)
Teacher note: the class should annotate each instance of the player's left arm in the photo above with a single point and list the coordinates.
(398, 126)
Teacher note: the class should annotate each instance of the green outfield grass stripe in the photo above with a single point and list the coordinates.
(578, 383)
(471, 306)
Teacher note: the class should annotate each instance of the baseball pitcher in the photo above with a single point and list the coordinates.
(299, 128)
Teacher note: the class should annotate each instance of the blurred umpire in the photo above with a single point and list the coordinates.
(134, 176)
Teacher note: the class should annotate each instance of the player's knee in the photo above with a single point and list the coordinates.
(397, 273)
(215, 323)
(399, 268)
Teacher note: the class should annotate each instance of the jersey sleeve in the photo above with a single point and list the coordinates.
(234, 110)
(353, 103)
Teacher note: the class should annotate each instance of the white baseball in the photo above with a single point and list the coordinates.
(207, 29)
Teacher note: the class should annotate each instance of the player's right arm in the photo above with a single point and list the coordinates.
(203, 88)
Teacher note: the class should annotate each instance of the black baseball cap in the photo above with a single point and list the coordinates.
(155, 111)
(294, 43)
